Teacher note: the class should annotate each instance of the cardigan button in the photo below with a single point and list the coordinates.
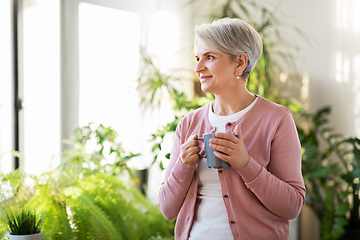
(232, 222)
(220, 171)
(226, 196)
(229, 124)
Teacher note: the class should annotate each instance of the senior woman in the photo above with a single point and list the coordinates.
(263, 189)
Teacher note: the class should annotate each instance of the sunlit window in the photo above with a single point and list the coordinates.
(109, 61)
(109, 57)
(102, 41)
(356, 16)
(41, 86)
(6, 90)
(347, 15)
(164, 37)
(347, 63)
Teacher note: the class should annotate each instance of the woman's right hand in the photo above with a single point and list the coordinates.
(189, 152)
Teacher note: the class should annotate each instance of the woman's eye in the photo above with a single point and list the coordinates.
(208, 57)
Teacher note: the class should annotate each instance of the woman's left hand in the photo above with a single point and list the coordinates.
(231, 149)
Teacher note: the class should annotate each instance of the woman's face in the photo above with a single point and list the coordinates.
(215, 71)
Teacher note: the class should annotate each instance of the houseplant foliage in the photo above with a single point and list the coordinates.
(84, 197)
(98, 206)
(23, 220)
(11, 185)
(331, 173)
(95, 147)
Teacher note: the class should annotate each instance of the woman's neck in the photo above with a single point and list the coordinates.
(230, 104)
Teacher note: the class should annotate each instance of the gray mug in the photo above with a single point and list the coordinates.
(212, 160)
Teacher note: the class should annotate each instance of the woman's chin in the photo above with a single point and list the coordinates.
(206, 90)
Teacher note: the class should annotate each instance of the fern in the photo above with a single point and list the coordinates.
(81, 203)
(109, 197)
(98, 206)
(50, 200)
(132, 213)
(83, 208)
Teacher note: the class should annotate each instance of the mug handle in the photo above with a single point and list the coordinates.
(201, 155)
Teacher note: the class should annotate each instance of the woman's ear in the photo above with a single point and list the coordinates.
(242, 60)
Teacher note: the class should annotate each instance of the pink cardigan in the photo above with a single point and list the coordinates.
(261, 198)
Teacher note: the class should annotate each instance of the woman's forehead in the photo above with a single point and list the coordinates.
(202, 49)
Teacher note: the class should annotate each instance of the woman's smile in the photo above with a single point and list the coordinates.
(204, 78)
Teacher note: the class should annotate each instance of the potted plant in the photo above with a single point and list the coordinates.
(87, 197)
(23, 223)
(331, 174)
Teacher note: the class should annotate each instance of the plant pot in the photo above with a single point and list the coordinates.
(142, 175)
(36, 236)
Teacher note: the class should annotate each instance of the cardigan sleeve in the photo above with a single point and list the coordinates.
(176, 182)
(280, 186)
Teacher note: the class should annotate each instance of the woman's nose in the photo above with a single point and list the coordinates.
(199, 67)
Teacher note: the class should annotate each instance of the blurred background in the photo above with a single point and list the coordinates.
(128, 66)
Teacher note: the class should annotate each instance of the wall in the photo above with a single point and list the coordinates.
(332, 60)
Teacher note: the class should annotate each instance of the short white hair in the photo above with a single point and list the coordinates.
(231, 37)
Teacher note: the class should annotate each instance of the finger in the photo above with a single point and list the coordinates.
(223, 149)
(189, 152)
(194, 150)
(191, 161)
(192, 138)
(195, 140)
(226, 136)
(223, 156)
(217, 143)
(191, 142)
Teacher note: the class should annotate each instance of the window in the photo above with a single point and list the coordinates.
(77, 61)
(108, 65)
(6, 89)
(40, 86)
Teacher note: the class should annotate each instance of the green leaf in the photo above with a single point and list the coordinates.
(155, 158)
(156, 146)
(23, 220)
(348, 177)
(162, 166)
(319, 173)
(343, 208)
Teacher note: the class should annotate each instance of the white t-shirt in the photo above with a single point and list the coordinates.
(211, 221)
